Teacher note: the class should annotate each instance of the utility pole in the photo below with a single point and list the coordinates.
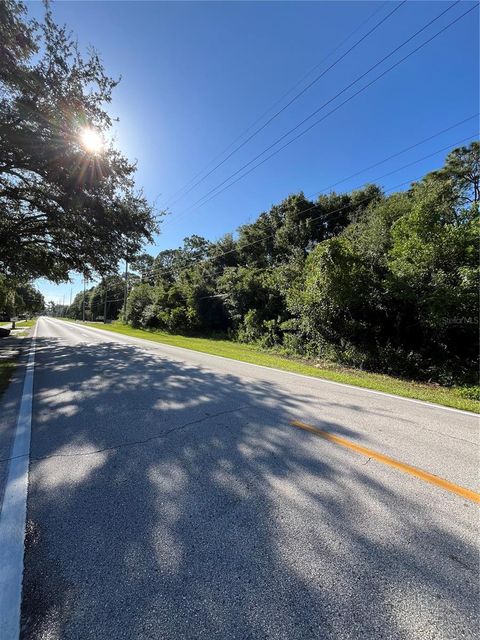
(14, 309)
(126, 293)
(83, 314)
(105, 306)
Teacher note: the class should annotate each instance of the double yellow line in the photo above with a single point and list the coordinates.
(391, 462)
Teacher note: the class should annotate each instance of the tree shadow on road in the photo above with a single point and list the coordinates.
(173, 501)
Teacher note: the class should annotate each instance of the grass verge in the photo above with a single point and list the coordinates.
(7, 368)
(20, 324)
(446, 396)
(9, 360)
(26, 324)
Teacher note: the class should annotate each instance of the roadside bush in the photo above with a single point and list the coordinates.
(386, 284)
(140, 297)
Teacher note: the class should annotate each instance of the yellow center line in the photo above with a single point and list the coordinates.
(406, 468)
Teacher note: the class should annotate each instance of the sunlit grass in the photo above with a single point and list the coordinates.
(26, 324)
(20, 324)
(8, 364)
(455, 397)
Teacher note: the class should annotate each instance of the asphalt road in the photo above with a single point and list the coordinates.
(170, 498)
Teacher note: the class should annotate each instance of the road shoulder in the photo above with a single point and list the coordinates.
(436, 399)
(10, 404)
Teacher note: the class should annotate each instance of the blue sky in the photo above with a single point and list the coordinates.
(195, 75)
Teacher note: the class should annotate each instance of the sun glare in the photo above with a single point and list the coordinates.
(91, 140)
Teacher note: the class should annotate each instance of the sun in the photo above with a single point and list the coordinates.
(91, 140)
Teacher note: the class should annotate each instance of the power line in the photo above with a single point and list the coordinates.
(376, 164)
(325, 216)
(278, 101)
(398, 153)
(298, 95)
(321, 217)
(156, 270)
(394, 155)
(373, 180)
(199, 201)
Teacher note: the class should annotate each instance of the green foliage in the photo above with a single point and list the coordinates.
(450, 397)
(462, 173)
(139, 302)
(110, 290)
(63, 208)
(433, 270)
(335, 296)
(380, 283)
(143, 264)
(471, 393)
(75, 310)
(19, 299)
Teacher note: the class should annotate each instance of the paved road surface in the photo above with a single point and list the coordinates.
(170, 498)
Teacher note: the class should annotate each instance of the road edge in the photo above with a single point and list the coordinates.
(14, 509)
(284, 371)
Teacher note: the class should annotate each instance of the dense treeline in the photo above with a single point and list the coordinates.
(19, 299)
(387, 283)
(64, 205)
(103, 300)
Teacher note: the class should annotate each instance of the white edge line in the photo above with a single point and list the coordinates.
(14, 509)
(291, 373)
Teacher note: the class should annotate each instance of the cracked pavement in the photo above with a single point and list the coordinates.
(169, 497)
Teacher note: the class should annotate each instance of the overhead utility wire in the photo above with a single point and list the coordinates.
(320, 218)
(199, 201)
(298, 95)
(324, 216)
(278, 101)
(398, 153)
(396, 64)
(373, 180)
(319, 109)
(394, 155)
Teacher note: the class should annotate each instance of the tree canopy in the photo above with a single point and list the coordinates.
(387, 283)
(63, 207)
(24, 299)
